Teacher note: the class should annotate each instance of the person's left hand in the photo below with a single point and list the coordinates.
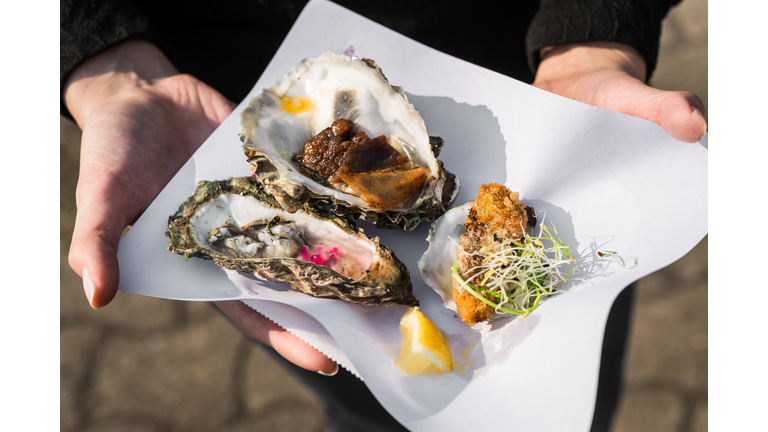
(612, 76)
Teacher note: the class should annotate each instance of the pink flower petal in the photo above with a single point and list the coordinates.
(304, 253)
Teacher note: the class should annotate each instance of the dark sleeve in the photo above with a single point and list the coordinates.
(91, 27)
(636, 23)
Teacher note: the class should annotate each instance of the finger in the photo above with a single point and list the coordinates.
(257, 327)
(229, 107)
(93, 255)
(102, 214)
(681, 115)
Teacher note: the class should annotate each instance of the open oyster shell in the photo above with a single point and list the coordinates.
(278, 123)
(436, 262)
(239, 226)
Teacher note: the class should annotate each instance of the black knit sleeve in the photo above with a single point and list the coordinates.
(91, 27)
(633, 22)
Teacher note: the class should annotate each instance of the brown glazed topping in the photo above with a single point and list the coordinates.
(370, 167)
(324, 153)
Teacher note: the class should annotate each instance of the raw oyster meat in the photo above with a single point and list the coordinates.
(239, 226)
(306, 102)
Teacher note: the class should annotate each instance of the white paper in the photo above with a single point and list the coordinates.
(598, 174)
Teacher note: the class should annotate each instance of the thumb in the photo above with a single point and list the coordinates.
(93, 252)
(96, 262)
(679, 113)
(93, 255)
(259, 328)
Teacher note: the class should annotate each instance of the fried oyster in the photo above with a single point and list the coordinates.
(496, 215)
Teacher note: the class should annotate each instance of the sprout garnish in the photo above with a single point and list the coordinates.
(519, 273)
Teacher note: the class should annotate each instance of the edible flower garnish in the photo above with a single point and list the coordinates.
(322, 255)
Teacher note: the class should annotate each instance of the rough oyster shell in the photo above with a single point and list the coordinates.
(320, 91)
(239, 203)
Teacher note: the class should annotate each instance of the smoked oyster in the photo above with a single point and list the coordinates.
(239, 226)
(305, 103)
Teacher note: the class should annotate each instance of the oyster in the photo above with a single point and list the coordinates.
(306, 102)
(486, 260)
(239, 226)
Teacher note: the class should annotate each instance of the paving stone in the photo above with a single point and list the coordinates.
(690, 19)
(123, 425)
(645, 410)
(77, 346)
(183, 376)
(283, 415)
(136, 312)
(201, 311)
(699, 419)
(270, 389)
(693, 267)
(665, 345)
(679, 276)
(129, 312)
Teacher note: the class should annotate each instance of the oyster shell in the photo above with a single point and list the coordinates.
(436, 262)
(278, 123)
(239, 226)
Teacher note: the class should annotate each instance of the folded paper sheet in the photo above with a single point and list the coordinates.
(601, 177)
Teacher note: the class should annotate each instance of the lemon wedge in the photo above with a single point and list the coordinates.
(425, 349)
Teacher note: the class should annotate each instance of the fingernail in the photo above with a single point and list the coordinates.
(332, 373)
(88, 286)
(696, 113)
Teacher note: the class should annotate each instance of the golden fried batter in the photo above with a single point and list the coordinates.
(471, 310)
(497, 210)
(495, 215)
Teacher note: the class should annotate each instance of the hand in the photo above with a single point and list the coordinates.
(612, 75)
(141, 121)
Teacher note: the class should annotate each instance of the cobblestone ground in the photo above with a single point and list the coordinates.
(145, 364)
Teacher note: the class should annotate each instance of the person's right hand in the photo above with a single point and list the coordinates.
(141, 121)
